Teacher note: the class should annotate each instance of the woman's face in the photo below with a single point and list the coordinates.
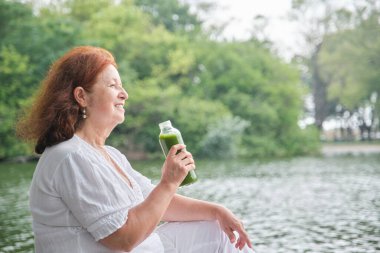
(106, 100)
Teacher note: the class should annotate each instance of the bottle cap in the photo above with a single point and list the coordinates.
(165, 124)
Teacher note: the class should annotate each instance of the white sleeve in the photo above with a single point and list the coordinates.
(98, 203)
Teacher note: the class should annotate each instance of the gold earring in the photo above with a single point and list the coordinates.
(84, 115)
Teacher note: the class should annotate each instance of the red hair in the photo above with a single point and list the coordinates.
(55, 114)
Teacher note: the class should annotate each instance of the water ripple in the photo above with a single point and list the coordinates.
(317, 205)
(303, 205)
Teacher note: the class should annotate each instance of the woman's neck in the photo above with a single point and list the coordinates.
(93, 135)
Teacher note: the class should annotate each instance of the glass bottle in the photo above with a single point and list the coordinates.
(168, 137)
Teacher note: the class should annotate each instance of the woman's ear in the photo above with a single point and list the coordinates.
(80, 96)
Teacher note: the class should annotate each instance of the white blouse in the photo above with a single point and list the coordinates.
(78, 198)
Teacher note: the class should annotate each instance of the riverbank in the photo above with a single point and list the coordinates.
(327, 149)
(350, 148)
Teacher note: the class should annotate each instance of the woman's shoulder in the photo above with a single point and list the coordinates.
(64, 148)
(54, 158)
(68, 149)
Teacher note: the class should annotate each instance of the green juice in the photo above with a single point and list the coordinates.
(168, 137)
(167, 141)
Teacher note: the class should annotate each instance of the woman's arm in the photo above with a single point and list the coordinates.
(143, 218)
(182, 208)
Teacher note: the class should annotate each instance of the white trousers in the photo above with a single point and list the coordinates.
(196, 237)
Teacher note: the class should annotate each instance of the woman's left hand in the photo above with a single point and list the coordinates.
(230, 223)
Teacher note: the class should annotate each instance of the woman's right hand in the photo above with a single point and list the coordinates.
(177, 164)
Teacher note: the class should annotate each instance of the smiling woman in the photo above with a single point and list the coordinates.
(86, 197)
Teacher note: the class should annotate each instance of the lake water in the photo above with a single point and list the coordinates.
(297, 205)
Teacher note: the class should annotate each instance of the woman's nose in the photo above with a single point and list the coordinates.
(123, 94)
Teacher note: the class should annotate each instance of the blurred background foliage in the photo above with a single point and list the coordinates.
(342, 62)
(228, 98)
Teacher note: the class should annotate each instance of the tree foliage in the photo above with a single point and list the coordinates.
(343, 62)
(228, 97)
(350, 59)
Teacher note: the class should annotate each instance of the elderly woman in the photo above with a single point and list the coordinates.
(86, 197)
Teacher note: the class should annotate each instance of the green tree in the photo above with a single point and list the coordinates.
(316, 25)
(223, 138)
(173, 14)
(343, 60)
(257, 87)
(199, 84)
(350, 59)
(15, 72)
(28, 45)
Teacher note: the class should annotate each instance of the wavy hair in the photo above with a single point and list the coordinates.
(55, 115)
